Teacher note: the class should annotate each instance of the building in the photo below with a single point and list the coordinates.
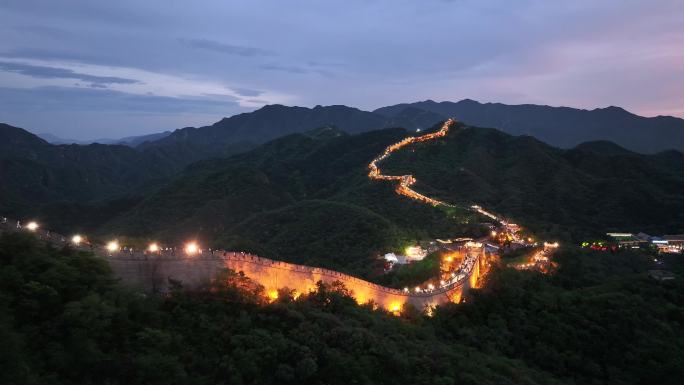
(671, 243)
(629, 240)
(415, 253)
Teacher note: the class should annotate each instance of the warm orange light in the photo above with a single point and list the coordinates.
(191, 248)
(153, 248)
(32, 226)
(113, 246)
(395, 308)
(272, 295)
(493, 233)
(76, 239)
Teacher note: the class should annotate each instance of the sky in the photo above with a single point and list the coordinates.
(84, 69)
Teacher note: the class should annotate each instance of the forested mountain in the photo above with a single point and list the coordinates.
(304, 197)
(307, 197)
(34, 172)
(264, 124)
(591, 189)
(559, 126)
(131, 141)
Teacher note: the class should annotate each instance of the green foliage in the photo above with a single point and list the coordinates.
(600, 319)
(304, 198)
(64, 321)
(562, 194)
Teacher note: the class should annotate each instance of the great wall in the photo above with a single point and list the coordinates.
(153, 270)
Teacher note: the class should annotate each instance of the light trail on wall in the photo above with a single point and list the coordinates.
(406, 181)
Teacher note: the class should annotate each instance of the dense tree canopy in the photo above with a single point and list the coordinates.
(65, 320)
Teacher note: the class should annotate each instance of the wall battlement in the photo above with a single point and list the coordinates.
(152, 271)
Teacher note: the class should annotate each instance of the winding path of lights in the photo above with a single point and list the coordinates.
(462, 273)
(406, 181)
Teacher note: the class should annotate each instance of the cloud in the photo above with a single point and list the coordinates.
(45, 72)
(224, 48)
(296, 69)
(90, 113)
(247, 92)
(105, 100)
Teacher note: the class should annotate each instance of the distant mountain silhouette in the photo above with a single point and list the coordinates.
(560, 126)
(34, 172)
(131, 141)
(298, 196)
(264, 124)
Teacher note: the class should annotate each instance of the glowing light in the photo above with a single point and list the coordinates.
(272, 295)
(113, 246)
(153, 248)
(529, 240)
(32, 226)
(493, 233)
(441, 283)
(191, 248)
(406, 290)
(76, 239)
(395, 307)
(449, 258)
(417, 289)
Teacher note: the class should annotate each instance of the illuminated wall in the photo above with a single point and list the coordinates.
(150, 274)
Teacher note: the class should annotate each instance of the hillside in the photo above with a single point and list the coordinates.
(599, 320)
(594, 188)
(307, 198)
(34, 172)
(304, 197)
(559, 126)
(264, 124)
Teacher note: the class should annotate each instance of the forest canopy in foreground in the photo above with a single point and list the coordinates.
(65, 320)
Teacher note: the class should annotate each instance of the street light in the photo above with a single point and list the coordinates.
(153, 248)
(113, 246)
(32, 226)
(191, 248)
(76, 239)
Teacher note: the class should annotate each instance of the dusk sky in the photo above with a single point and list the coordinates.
(94, 69)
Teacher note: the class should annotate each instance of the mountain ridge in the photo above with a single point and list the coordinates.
(563, 127)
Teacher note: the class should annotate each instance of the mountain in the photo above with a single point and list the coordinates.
(131, 141)
(304, 197)
(134, 141)
(73, 178)
(264, 124)
(559, 126)
(54, 139)
(569, 193)
(307, 198)
(34, 172)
